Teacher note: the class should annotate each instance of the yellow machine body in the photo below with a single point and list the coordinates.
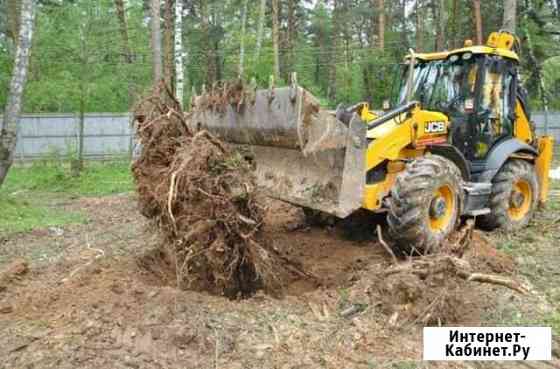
(406, 138)
(407, 135)
(542, 165)
(398, 140)
(311, 157)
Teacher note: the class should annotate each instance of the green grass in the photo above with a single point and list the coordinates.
(26, 214)
(535, 248)
(97, 179)
(27, 197)
(553, 320)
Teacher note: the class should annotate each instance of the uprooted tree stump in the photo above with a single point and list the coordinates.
(203, 198)
(430, 289)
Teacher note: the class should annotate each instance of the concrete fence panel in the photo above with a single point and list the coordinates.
(44, 135)
(553, 124)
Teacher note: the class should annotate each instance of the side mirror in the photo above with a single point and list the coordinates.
(386, 105)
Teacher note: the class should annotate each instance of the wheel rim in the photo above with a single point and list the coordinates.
(442, 207)
(520, 200)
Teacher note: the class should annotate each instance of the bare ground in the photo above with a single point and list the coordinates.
(100, 296)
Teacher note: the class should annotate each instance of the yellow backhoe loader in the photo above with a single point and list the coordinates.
(457, 142)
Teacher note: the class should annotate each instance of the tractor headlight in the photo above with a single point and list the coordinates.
(467, 56)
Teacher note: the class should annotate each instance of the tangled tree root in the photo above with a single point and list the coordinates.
(203, 198)
(430, 290)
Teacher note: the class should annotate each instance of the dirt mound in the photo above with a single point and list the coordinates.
(203, 198)
(487, 258)
(431, 298)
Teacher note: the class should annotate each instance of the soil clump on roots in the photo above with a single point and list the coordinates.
(202, 197)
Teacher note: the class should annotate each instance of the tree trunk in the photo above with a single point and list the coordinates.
(455, 22)
(217, 17)
(322, 56)
(437, 15)
(241, 70)
(211, 71)
(179, 74)
(260, 31)
(510, 14)
(156, 41)
(291, 37)
(127, 52)
(419, 29)
(13, 8)
(477, 21)
(381, 24)
(536, 66)
(275, 39)
(347, 39)
(147, 10)
(441, 25)
(77, 163)
(372, 32)
(123, 28)
(168, 54)
(332, 88)
(8, 132)
(403, 31)
(372, 28)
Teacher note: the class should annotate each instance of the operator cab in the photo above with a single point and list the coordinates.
(476, 87)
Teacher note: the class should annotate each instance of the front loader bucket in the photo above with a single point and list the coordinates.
(303, 154)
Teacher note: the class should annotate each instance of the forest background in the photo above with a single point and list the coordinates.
(98, 56)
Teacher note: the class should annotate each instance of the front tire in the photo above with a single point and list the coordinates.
(425, 205)
(514, 198)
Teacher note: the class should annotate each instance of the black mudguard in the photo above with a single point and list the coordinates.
(452, 153)
(497, 157)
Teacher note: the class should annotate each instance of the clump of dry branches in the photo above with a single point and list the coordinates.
(203, 198)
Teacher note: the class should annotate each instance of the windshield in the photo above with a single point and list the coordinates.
(442, 85)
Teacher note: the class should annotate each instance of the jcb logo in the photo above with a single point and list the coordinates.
(434, 127)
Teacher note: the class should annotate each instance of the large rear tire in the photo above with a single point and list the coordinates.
(425, 205)
(514, 197)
